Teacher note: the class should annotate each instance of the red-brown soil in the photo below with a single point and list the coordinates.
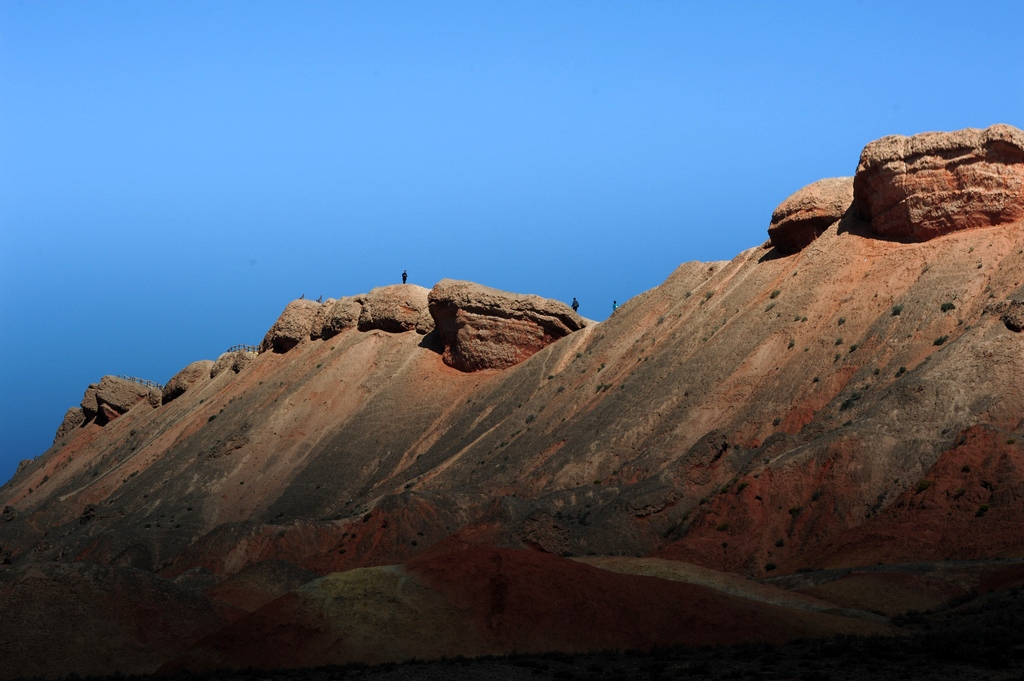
(969, 505)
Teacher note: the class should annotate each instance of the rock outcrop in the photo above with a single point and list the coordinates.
(484, 328)
(1010, 313)
(342, 314)
(88, 403)
(73, 419)
(235, 361)
(396, 309)
(185, 379)
(317, 327)
(802, 217)
(114, 396)
(917, 188)
(292, 327)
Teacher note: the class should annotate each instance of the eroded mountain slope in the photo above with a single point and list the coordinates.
(781, 373)
(833, 399)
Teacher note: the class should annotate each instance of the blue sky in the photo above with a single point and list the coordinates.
(173, 173)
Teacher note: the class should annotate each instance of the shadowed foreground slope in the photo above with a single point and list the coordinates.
(460, 599)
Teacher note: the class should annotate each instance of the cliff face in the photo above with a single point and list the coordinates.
(770, 412)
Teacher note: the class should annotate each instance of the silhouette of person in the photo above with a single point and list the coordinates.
(405, 276)
(575, 304)
(615, 306)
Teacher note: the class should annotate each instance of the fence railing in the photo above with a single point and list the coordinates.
(244, 348)
(143, 381)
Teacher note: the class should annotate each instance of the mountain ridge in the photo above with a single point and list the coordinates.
(828, 401)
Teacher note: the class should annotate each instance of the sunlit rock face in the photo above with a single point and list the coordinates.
(917, 188)
(484, 328)
(802, 217)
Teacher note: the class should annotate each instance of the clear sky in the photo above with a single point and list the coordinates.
(173, 173)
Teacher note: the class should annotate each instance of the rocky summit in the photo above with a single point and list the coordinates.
(803, 217)
(935, 183)
(814, 438)
(483, 328)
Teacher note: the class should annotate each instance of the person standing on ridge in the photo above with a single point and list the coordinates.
(575, 304)
(405, 276)
(615, 306)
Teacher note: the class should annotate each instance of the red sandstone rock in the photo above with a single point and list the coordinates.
(292, 327)
(73, 418)
(107, 414)
(802, 217)
(484, 328)
(186, 378)
(398, 308)
(920, 187)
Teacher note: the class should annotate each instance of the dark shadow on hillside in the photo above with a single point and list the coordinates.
(773, 253)
(432, 341)
(851, 223)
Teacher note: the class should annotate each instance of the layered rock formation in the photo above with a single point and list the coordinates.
(917, 188)
(802, 217)
(484, 328)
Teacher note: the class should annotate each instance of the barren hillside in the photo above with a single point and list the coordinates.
(849, 392)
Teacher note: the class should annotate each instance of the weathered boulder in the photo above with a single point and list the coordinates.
(185, 379)
(484, 328)
(235, 361)
(89, 405)
(802, 217)
(921, 187)
(342, 314)
(292, 327)
(120, 394)
(396, 309)
(73, 419)
(317, 327)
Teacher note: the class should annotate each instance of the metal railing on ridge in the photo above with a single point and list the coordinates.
(143, 381)
(244, 348)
